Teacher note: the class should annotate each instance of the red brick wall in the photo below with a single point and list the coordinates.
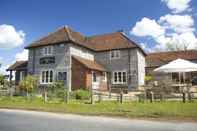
(82, 77)
(78, 75)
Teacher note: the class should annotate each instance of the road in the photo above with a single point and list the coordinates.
(18, 120)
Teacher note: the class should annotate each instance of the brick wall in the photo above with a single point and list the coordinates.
(79, 74)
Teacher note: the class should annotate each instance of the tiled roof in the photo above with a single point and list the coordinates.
(89, 64)
(18, 65)
(160, 58)
(116, 40)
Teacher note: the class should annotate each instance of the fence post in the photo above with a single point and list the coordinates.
(92, 96)
(152, 96)
(67, 96)
(184, 97)
(99, 97)
(121, 96)
(45, 97)
(189, 97)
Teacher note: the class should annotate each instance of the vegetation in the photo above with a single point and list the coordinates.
(166, 110)
(56, 90)
(29, 84)
(82, 94)
(1, 79)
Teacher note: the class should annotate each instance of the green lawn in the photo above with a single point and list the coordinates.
(172, 110)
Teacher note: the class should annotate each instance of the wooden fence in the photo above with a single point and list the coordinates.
(142, 96)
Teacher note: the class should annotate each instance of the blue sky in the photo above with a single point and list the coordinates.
(32, 19)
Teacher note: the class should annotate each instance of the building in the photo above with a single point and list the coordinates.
(100, 62)
(155, 60)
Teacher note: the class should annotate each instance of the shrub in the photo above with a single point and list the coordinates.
(57, 89)
(82, 94)
(29, 84)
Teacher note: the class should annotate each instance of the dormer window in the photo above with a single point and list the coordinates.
(48, 50)
(115, 54)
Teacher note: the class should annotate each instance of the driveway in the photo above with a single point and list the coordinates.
(17, 120)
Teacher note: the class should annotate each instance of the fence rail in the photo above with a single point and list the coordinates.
(143, 96)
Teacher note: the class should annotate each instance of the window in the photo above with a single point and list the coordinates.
(62, 76)
(48, 50)
(47, 77)
(22, 75)
(94, 76)
(104, 76)
(115, 54)
(119, 77)
(47, 60)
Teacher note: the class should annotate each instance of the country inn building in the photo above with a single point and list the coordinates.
(100, 62)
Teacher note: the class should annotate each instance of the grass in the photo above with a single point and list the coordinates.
(169, 110)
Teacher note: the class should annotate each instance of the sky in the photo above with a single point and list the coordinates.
(156, 25)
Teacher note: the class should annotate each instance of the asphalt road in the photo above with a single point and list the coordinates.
(17, 120)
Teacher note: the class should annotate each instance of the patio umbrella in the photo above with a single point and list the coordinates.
(178, 65)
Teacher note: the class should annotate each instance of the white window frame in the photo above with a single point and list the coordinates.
(119, 81)
(49, 70)
(115, 52)
(104, 76)
(22, 75)
(47, 53)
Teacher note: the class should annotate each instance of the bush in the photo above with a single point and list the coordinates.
(57, 90)
(82, 94)
(29, 84)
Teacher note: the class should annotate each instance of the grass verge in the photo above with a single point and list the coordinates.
(161, 110)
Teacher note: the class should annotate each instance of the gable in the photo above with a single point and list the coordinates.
(110, 41)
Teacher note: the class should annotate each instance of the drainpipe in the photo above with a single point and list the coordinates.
(129, 73)
(33, 70)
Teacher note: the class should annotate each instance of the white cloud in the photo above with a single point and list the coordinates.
(9, 37)
(177, 6)
(22, 55)
(176, 42)
(178, 23)
(147, 27)
(145, 47)
(3, 69)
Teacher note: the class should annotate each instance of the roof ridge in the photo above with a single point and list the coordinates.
(163, 52)
(67, 29)
(100, 35)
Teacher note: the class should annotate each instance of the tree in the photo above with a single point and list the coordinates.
(29, 84)
(1, 79)
(171, 46)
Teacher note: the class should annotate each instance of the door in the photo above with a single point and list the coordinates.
(95, 80)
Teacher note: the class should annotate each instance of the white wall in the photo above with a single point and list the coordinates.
(81, 53)
(141, 68)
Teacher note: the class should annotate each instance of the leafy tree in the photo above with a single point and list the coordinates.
(29, 84)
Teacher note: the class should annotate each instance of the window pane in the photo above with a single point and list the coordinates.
(51, 76)
(47, 76)
(124, 77)
(45, 50)
(49, 50)
(115, 77)
(119, 76)
(43, 76)
(112, 54)
(94, 77)
(117, 54)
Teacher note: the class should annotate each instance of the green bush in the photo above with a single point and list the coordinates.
(82, 94)
(57, 90)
